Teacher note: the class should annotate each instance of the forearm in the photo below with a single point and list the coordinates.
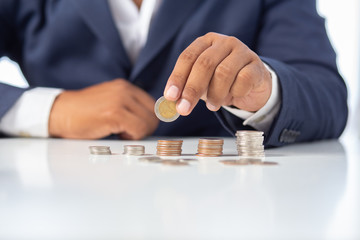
(314, 102)
(312, 106)
(29, 115)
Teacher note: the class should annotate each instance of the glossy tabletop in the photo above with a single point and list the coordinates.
(54, 189)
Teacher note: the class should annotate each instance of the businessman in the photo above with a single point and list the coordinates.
(96, 67)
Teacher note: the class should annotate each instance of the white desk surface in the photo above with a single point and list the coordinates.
(54, 189)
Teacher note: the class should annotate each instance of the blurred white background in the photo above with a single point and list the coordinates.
(342, 20)
(343, 25)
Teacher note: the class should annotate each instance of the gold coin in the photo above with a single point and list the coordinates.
(210, 147)
(166, 110)
(169, 147)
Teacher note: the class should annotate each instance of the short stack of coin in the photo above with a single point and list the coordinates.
(250, 144)
(169, 147)
(100, 150)
(135, 150)
(210, 147)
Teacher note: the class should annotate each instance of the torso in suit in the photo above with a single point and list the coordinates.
(75, 44)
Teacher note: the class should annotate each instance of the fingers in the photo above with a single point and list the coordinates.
(143, 98)
(208, 69)
(252, 88)
(199, 79)
(183, 67)
(217, 69)
(135, 116)
(225, 74)
(138, 109)
(245, 82)
(194, 83)
(130, 126)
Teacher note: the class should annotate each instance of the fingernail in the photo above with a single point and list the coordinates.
(211, 107)
(183, 107)
(172, 92)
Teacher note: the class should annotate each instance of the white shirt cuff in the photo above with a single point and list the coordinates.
(29, 116)
(263, 118)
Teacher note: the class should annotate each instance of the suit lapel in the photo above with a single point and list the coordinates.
(97, 16)
(171, 15)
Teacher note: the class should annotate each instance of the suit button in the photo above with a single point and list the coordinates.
(288, 136)
(284, 136)
(294, 135)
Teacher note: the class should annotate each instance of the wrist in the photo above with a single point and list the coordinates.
(55, 117)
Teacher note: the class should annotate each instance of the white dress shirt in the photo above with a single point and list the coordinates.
(29, 116)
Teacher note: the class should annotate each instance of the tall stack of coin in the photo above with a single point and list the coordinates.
(250, 144)
(135, 150)
(210, 147)
(169, 147)
(100, 150)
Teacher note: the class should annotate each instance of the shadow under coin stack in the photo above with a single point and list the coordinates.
(210, 147)
(169, 147)
(134, 150)
(250, 144)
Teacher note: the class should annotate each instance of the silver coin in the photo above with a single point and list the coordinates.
(244, 139)
(251, 153)
(250, 144)
(249, 133)
(257, 147)
(135, 150)
(249, 140)
(100, 150)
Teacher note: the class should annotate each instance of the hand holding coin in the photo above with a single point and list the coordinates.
(220, 70)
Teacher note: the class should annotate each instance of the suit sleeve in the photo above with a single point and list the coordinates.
(8, 47)
(292, 40)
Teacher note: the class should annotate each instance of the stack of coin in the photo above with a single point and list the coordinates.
(100, 150)
(210, 147)
(250, 144)
(135, 150)
(169, 147)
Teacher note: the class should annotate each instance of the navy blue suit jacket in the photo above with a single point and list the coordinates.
(74, 44)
